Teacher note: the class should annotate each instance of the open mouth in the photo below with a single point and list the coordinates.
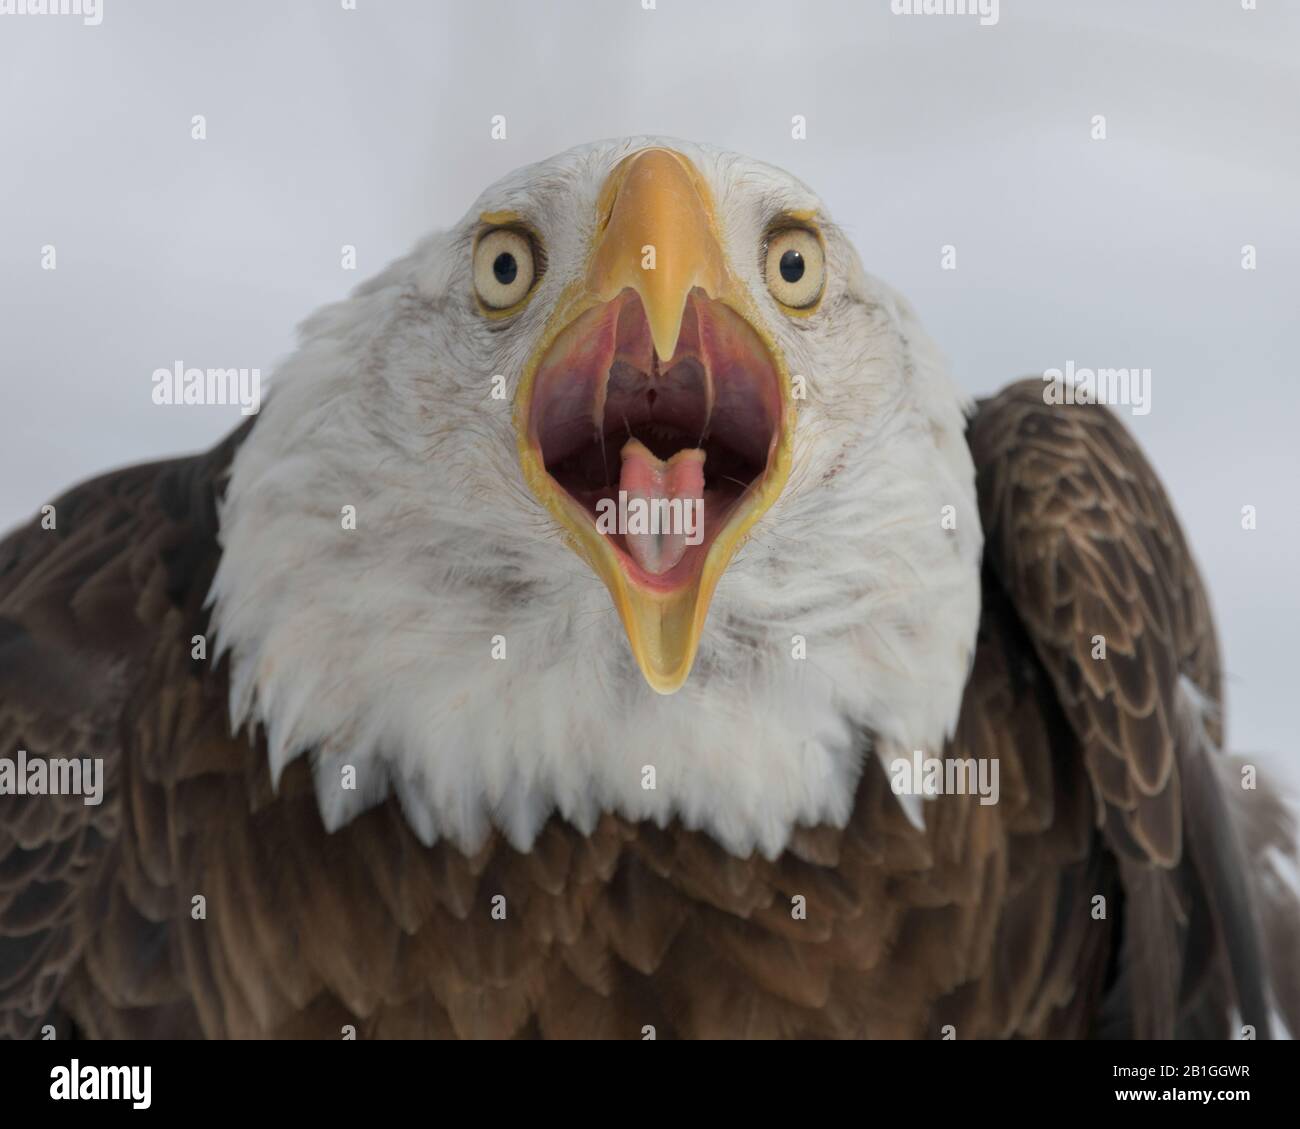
(656, 423)
(658, 456)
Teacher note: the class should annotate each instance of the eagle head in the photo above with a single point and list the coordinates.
(634, 468)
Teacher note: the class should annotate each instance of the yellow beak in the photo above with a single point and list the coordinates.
(659, 239)
(659, 242)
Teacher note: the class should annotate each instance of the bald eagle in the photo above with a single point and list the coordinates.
(564, 649)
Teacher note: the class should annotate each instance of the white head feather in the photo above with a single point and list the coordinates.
(373, 647)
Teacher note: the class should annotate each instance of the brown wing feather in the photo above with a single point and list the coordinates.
(1081, 536)
(78, 615)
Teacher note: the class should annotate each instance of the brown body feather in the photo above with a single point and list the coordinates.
(983, 922)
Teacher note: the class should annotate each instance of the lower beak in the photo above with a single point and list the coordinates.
(657, 346)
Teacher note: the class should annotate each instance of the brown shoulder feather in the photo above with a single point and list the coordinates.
(1084, 541)
(82, 601)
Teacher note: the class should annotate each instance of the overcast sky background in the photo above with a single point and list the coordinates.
(371, 127)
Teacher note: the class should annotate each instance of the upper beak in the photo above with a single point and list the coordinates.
(658, 216)
(659, 240)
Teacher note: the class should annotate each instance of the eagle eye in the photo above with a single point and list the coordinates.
(504, 267)
(796, 267)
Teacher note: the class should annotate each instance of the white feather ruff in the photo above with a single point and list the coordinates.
(373, 647)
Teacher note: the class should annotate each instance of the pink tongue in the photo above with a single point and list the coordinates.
(649, 479)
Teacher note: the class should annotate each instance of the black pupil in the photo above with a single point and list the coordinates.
(505, 268)
(792, 266)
